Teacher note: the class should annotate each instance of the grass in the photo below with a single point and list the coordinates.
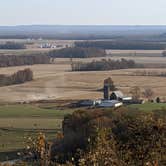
(19, 121)
(26, 110)
(147, 107)
(30, 123)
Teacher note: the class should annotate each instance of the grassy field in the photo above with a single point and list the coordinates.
(148, 107)
(29, 111)
(20, 121)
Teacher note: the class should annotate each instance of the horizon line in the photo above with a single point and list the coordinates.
(82, 25)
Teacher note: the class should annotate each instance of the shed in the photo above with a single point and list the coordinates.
(110, 103)
(86, 103)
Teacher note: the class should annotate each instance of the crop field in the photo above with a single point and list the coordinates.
(20, 121)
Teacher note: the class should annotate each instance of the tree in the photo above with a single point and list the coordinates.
(164, 53)
(148, 93)
(102, 152)
(19, 77)
(136, 93)
(157, 100)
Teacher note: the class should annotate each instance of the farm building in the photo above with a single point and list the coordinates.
(110, 103)
(86, 103)
(118, 95)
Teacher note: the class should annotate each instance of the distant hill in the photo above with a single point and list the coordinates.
(78, 31)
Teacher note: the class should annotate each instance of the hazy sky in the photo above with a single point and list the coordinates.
(98, 12)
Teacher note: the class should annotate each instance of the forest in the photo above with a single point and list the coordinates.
(123, 44)
(77, 52)
(104, 64)
(20, 60)
(19, 77)
(12, 45)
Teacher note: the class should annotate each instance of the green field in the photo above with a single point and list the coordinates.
(147, 107)
(26, 110)
(19, 121)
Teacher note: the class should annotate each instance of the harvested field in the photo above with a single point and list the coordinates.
(55, 81)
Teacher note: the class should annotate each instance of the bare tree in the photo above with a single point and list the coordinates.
(148, 93)
(136, 93)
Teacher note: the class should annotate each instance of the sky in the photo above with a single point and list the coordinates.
(83, 12)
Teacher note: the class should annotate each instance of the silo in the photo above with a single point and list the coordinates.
(108, 85)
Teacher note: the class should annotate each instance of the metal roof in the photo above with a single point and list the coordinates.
(118, 94)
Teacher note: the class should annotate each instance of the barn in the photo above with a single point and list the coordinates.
(118, 95)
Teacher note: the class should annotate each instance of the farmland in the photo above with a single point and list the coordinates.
(56, 81)
(21, 118)
(18, 122)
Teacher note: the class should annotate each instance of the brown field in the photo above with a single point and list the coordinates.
(138, 59)
(134, 51)
(55, 81)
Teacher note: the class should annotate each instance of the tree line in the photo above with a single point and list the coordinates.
(77, 52)
(104, 64)
(123, 44)
(19, 77)
(12, 45)
(19, 60)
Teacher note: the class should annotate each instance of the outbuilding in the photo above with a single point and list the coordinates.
(118, 95)
(110, 103)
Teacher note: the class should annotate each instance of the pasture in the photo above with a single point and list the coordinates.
(148, 107)
(20, 121)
